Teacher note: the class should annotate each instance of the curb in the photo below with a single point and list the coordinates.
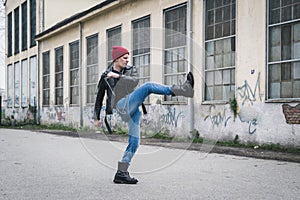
(237, 151)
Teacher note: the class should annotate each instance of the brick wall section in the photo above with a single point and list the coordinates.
(292, 114)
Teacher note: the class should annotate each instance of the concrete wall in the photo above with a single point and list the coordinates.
(56, 10)
(257, 121)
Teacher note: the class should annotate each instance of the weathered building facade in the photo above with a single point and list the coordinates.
(243, 50)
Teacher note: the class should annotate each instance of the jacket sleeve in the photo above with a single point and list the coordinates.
(99, 98)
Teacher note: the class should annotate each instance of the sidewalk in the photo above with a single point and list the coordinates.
(238, 151)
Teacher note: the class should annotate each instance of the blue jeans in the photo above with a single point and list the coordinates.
(131, 103)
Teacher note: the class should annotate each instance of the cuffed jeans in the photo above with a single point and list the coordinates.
(131, 104)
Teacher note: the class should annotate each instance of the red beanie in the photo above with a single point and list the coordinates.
(118, 51)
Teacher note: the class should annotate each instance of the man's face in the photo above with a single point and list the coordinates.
(123, 60)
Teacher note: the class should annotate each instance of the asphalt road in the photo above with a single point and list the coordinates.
(44, 166)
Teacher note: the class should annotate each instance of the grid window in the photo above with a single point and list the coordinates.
(92, 68)
(17, 85)
(9, 85)
(24, 26)
(59, 68)
(32, 22)
(175, 55)
(141, 49)
(24, 83)
(9, 34)
(220, 49)
(33, 82)
(113, 39)
(46, 78)
(74, 73)
(283, 49)
(17, 30)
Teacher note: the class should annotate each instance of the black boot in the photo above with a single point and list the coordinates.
(187, 89)
(122, 176)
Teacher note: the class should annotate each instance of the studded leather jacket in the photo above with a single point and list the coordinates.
(115, 88)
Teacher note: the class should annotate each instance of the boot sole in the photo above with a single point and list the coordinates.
(123, 182)
(190, 77)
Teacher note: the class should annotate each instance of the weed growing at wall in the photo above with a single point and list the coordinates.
(234, 107)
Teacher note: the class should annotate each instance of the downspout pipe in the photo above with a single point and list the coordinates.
(192, 112)
(80, 74)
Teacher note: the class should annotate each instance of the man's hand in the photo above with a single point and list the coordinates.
(112, 75)
(97, 123)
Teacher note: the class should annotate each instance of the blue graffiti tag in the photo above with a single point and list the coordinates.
(217, 118)
(246, 92)
(171, 118)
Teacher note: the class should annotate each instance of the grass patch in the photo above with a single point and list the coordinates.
(42, 127)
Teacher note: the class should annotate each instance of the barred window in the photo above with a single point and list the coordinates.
(283, 49)
(46, 78)
(141, 49)
(24, 92)
(220, 49)
(74, 73)
(113, 39)
(175, 55)
(59, 73)
(92, 75)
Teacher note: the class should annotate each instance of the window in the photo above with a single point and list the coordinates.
(24, 83)
(92, 68)
(113, 39)
(9, 35)
(33, 74)
(175, 55)
(283, 49)
(17, 30)
(17, 85)
(32, 22)
(59, 73)
(46, 79)
(141, 48)
(220, 49)
(74, 73)
(24, 26)
(9, 85)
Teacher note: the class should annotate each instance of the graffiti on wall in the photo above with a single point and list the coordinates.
(171, 116)
(247, 93)
(55, 114)
(216, 117)
(251, 124)
(291, 113)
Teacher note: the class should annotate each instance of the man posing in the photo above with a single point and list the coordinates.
(119, 83)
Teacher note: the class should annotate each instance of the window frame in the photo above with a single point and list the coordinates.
(17, 30)
(59, 72)
(72, 70)
(220, 48)
(280, 62)
(46, 76)
(141, 57)
(24, 26)
(9, 35)
(113, 40)
(177, 50)
(32, 23)
(92, 82)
